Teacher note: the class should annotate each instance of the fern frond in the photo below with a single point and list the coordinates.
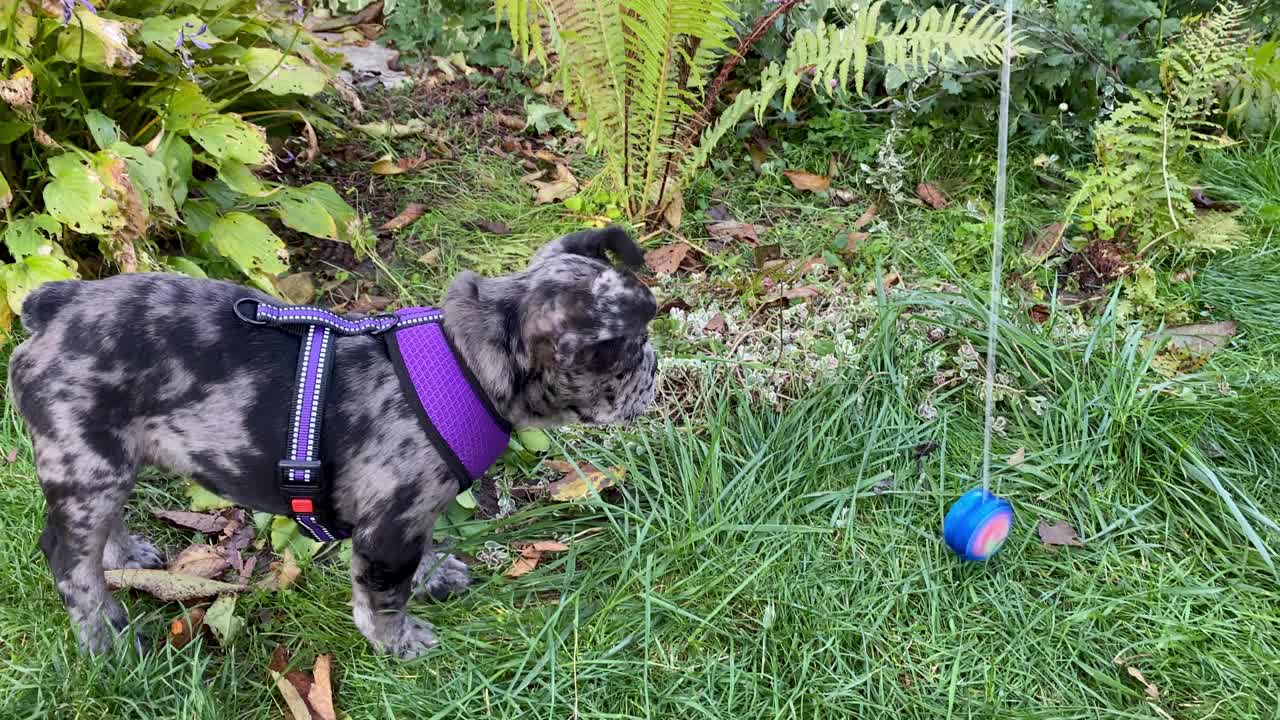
(915, 45)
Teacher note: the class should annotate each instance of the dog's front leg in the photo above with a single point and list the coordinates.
(383, 563)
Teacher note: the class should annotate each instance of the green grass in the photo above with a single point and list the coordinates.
(785, 562)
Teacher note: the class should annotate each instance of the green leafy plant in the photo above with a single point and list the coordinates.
(132, 134)
(1140, 186)
(642, 73)
(1254, 101)
(445, 27)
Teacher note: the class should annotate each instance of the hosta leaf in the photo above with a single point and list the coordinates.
(198, 216)
(184, 106)
(176, 156)
(103, 129)
(317, 209)
(183, 265)
(281, 74)
(149, 176)
(77, 197)
(225, 136)
(32, 235)
(240, 178)
(97, 42)
(249, 245)
(21, 278)
(160, 32)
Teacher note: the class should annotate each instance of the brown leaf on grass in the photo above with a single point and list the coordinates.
(575, 485)
(410, 215)
(531, 554)
(166, 585)
(766, 253)
(298, 288)
(1059, 533)
(1039, 313)
(666, 259)
(1018, 457)
(1046, 242)
(867, 216)
(369, 304)
(931, 195)
(490, 226)
(1202, 338)
(552, 185)
(202, 561)
(797, 293)
(734, 230)
(308, 156)
(843, 197)
(293, 697)
(808, 181)
(11, 457)
(282, 573)
(716, 324)
(386, 166)
(1183, 276)
(511, 122)
(183, 629)
(320, 696)
(1148, 687)
(294, 686)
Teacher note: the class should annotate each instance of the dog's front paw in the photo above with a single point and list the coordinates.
(440, 576)
(415, 639)
(142, 554)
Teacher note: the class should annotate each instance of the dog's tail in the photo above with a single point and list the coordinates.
(43, 303)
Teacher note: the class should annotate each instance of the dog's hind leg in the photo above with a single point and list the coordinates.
(85, 495)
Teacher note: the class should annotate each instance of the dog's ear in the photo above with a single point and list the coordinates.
(587, 323)
(595, 244)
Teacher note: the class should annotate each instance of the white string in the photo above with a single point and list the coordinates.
(997, 246)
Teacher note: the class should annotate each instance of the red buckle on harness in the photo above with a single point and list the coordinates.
(302, 506)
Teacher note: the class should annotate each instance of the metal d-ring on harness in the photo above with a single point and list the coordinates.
(452, 408)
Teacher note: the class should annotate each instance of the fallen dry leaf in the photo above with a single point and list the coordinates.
(202, 561)
(293, 699)
(386, 166)
(490, 226)
(165, 585)
(797, 293)
(295, 686)
(765, 254)
(281, 574)
(931, 195)
(369, 304)
(183, 629)
(715, 324)
(411, 214)
(1202, 338)
(1018, 457)
(1148, 687)
(387, 129)
(1039, 313)
(320, 697)
(11, 457)
(298, 288)
(1046, 242)
(733, 230)
(843, 197)
(802, 180)
(511, 122)
(867, 216)
(531, 554)
(666, 260)
(1059, 533)
(575, 485)
(551, 185)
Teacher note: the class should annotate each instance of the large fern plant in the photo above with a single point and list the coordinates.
(1139, 188)
(641, 71)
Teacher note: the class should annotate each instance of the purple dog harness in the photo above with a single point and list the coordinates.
(454, 411)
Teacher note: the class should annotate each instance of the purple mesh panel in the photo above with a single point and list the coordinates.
(455, 410)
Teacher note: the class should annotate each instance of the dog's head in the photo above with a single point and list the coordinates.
(566, 341)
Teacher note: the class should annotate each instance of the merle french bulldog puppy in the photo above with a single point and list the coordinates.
(157, 369)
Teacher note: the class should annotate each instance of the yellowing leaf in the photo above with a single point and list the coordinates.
(801, 180)
(227, 137)
(98, 42)
(20, 278)
(387, 166)
(169, 586)
(281, 74)
(584, 482)
(203, 499)
(250, 245)
(388, 129)
(287, 537)
(221, 619)
(78, 198)
(317, 210)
